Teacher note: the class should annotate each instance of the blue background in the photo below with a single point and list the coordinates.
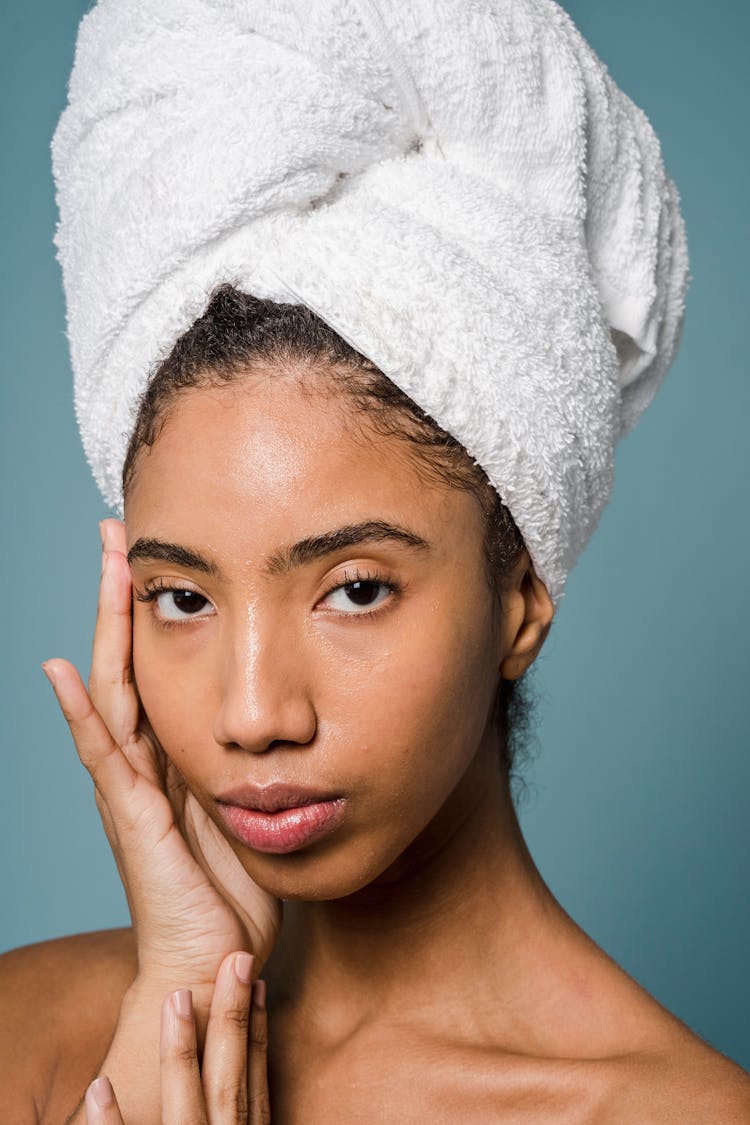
(636, 809)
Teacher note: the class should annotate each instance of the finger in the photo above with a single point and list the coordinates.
(113, 535)
(225, 1064)
(260, 1105)
(259, 912)
(176, 788)
(111, 680)
(181, 1090)
(101, 1104)
(112, 773)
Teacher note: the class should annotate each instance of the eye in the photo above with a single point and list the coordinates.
(361, 594)
(176, 603)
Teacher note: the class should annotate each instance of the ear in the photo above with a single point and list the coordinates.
(527, 616)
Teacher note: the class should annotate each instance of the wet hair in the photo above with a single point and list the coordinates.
(239, 332)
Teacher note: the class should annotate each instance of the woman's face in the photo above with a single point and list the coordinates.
(259, 660)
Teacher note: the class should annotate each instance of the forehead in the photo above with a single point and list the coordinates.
(272, 457)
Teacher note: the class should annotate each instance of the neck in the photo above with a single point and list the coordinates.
(463, 908)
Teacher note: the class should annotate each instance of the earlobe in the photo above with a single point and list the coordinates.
(528, 614)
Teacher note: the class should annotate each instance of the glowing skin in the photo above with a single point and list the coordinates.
(418, 937)
(314, 638)
(383, 697)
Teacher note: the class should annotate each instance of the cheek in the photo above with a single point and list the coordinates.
(400, 715)
(171, 676)
(419, 709)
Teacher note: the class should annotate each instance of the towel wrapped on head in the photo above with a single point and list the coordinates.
(457, 187)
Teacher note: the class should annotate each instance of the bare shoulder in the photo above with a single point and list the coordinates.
(655, 1070)
(677, 1086)
(669, 1077)
(685, 1083)
(59, 1002)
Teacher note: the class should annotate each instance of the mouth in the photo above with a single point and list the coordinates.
(278, 819)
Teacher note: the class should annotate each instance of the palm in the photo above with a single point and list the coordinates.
(191, 901)
(257, 911)
(188, 891)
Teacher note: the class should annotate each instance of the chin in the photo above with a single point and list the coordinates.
(307, 877)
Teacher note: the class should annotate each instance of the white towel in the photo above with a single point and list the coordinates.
(456, 186)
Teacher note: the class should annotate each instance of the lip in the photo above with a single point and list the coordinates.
(280, 818)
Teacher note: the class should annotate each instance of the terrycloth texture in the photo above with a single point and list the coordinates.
(456, 186)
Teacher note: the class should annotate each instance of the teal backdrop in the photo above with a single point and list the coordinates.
(636, 807)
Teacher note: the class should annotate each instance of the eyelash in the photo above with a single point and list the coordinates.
(374, 576)
(151, 592)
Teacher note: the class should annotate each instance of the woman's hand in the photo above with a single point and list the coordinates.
(230, 1085)
(190, 899)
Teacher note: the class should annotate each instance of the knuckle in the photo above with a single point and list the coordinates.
(238, 1018)
(259, 1034)
(119, 678)
(261, 1110)
(81, 715)
(182, 1055)
(93, 757)
(233, 1103)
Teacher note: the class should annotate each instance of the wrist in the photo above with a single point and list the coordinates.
(145, 996)
(132, 1061)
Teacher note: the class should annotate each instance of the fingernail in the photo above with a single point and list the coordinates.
(259, 994)
(243, 967)
(48, 673)
(183, 1002)
(101, 1092)
(101, 531)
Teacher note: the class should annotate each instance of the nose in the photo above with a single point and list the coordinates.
(265, 697)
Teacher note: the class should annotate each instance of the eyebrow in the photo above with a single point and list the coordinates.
(157, 550)
(289, 558)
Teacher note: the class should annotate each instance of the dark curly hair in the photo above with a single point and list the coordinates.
(238, 331)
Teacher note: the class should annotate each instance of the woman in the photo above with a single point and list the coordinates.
(330, 616)
(325, 621)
